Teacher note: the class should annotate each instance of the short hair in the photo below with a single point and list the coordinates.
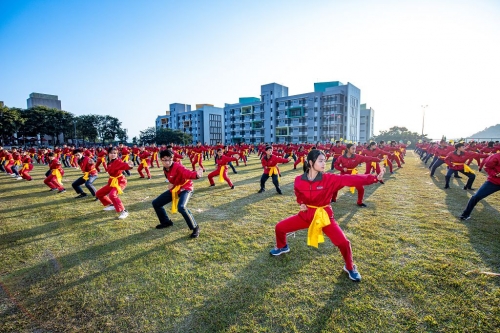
(166, 153)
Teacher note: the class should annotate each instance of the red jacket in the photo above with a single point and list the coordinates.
(456, 162)
(492, 167)
(318, 192)
(177, 174)
(337, 151)
(87, 165)
(352, 162)
(115, 168)
(224, 160)
(268, 163)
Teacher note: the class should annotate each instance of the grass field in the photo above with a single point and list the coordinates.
(68, 266)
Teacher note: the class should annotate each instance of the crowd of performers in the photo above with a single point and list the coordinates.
(458, 158)
(315, 188)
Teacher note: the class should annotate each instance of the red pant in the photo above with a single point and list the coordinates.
(369, 168)
(25, 173)
(109, 195)
(302, 221)
(139, 169)
(212, 174)
(197, 159)
(99, 163)
(8, 166)
(51, 181)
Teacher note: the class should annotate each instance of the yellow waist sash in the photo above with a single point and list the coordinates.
(103, 159)
(320, 220)
(386, 163)
(25, 167)
(125, 158)
(114, 183)
(57, 173)
(155, 156)
(144, 162)
(17, 162)
(175, 197)
(86, 174)
(274, 171)
(353, 172)
(466, 167)
(221, 173)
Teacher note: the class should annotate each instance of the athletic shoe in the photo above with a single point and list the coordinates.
(81, 195)
(61, 191)
(109, 208)
(261, 190)
(458, 176)
(279, 191)
(277, 251)
(464, 217)
(162, 226)
(469, 188)
(232, 187)
(362, 204)
(123, 215)
(19, 178)
(447, 186)
(53, 189)
(196, 232)
(353, 273)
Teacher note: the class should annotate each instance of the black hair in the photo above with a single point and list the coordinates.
(490, 144)
(268, 147)
(220, 149)
(372, 144)
(349, 145)
(312, 156)
(166, 153)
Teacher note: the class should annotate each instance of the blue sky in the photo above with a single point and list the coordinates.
(131, 59)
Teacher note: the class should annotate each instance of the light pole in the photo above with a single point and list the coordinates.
(423, 117)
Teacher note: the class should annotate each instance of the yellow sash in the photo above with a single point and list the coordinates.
(86, 174)
(198, 157)
(386, 163)
(155, 156)
(57, 173)
(17, 162)
(175, 197)
(72, 159)
(274, 171)
(466, 167)
(302, 159)
(320, 220)
(144, 162)
(353, 172)
(25, 167)
(374, 165)
(103, 159)
(221, 174)
(397, 153)
(114, 183)
(125, 158)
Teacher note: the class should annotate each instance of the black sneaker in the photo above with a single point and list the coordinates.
(362, 204)
(196, 232)
(458, 176)
(61, 191)
(81, 195)
(447, 186)
(464, 217)
(279, 191)
(232, 187)
(261, 190)
(162, 226)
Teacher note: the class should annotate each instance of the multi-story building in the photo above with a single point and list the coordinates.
(50, 101)
(205, 123)
(329, 113)
(366, 123)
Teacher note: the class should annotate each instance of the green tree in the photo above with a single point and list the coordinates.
(167, 135)
(400, 134)
(11, 121)
(147, 136)
(86, 127)
(109, 128)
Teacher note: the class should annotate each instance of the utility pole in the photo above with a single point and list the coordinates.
(423, 117)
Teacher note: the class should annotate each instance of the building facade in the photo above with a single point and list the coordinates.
(50, 101)
(367, 116)
(329, 113)
(205, 124)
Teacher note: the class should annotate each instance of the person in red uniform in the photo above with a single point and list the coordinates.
(456, 162)
(440, 153)
(197, 153)
(55, 173)
(336, 151)
(87, 166)
(125, 155)
(180, 190)
(300, 157)
(221, 170)
(490, 186)
(176, 156)
(154, 150)
(135, 155)
(313, 190)
(372, 151)
(145, 161)
(108, 194)
(27, 166)
(101, 159)
(270, 164)
(347, 164)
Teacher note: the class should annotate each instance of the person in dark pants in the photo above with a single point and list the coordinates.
(179, 192)
(87, 166)
(490, 186)
(270, 164)
(456, 162)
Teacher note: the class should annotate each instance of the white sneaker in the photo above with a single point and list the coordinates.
(19, 178)
(123, 215)
(13, 175)
(110, 207)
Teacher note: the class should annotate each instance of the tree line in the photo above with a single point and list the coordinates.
(42, 120)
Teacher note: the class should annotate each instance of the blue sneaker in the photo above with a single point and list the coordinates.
(276, 251)
(353, 274)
